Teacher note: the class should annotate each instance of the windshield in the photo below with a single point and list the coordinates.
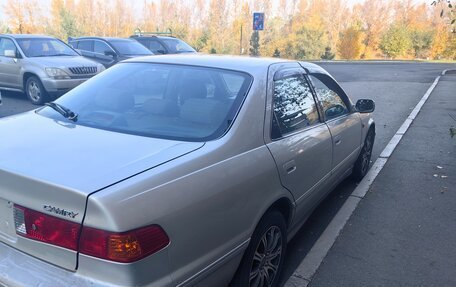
(177, 46)
(45, 47)
(130, 47)
(158, 100)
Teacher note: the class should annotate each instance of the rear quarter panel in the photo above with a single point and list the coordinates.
(209, 201)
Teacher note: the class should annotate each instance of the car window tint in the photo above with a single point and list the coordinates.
(333, 105)
(157, 100)
(177, 46)
(294, 105)
(85, 45)
(100, 47)
(6, 44)
(156, 48)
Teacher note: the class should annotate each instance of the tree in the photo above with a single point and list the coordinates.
(309, 44)
(255, 44)
(421, 42)
(328, 55)
(396, 41)
(276, 53)
(350, 43)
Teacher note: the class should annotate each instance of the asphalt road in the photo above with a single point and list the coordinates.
(396, 87)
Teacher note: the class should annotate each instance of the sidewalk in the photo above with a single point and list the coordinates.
(403, 232)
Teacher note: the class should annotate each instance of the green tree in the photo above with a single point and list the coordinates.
(396, 41)
(310, 44)
(255, 44)
(68, 24)
(421, 42)
(328, 55)
(276, 53)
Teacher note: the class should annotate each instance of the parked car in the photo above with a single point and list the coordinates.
(175, 171)
(160, 45)
(42, 67)
(108, 51)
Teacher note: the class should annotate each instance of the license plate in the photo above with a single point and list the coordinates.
(7, 229)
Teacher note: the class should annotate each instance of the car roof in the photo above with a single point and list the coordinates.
(154, 36)
(108, 39)
(246, 64)
(28, 36)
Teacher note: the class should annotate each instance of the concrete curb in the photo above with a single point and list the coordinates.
(310, 264)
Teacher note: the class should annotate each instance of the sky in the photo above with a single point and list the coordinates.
(139, 3)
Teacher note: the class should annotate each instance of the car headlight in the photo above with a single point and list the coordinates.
(100, 68)
(57, 73)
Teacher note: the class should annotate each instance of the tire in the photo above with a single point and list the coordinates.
(363, 162)
(35, 91)
(262, 262)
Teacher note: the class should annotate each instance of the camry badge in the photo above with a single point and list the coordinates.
(60, 211)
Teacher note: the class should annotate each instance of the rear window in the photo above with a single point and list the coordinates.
(158, 100)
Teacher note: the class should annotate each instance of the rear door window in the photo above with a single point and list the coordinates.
(86, 45)
(293, 105)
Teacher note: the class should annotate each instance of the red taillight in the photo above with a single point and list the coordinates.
(45, 228)
(123, 247)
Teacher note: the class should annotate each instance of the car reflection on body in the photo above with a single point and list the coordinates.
(175, 171)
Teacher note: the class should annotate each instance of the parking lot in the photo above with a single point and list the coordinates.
(396, 87)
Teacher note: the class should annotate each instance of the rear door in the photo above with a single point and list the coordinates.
(343, 122)
(300, 141)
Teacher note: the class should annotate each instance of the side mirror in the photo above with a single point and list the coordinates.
(10, 54)
(111, 54)
(365, 106)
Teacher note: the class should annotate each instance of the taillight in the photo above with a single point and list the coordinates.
(45, 228)
(123, 247)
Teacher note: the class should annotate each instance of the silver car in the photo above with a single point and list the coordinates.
(174, 171)
(42, 67)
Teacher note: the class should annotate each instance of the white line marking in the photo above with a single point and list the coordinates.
(310, 264)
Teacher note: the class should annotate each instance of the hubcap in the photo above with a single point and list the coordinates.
(266, 259)
(34, 91)
(367, 154)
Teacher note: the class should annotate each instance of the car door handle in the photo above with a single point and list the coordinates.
(338, 142)
(290, 166)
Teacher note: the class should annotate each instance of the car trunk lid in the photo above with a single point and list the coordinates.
(52, 167)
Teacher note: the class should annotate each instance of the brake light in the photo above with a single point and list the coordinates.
(45, 228)
(123, 247)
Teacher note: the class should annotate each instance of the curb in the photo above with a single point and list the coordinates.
(310, 264)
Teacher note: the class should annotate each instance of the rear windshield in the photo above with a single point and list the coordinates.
(45, 47)
(158, 100)
(130, 47)
(177, 46)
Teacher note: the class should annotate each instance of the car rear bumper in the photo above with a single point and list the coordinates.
(18, 269)
(61, 86)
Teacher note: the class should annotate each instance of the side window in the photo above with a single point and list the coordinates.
(328, 94)
(101, 47)
(294, 106)
(85, 46)
(5, 45)
(156, 47)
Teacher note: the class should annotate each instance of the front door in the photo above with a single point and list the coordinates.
(344, 123)
(10, 67)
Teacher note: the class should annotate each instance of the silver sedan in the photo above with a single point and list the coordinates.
(180, 170)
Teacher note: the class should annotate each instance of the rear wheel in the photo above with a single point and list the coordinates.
(263, 259)
(363, 162)
(35, 91)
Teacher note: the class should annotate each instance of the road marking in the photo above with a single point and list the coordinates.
(310, 264)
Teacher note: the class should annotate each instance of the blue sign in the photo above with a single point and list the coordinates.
(258, 21)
